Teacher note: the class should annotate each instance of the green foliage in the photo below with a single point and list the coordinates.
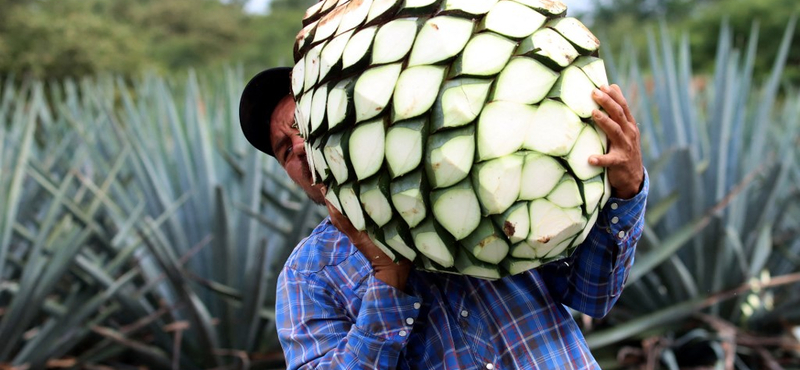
(702, 20)
(138, 227)
(53, 39)
(721, 156)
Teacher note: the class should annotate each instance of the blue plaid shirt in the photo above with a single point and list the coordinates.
(333, 313)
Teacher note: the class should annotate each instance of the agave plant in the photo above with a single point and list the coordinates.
(137, 226)
(457, 133)
(719, 251)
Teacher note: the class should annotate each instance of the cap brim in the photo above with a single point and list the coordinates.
(259, 99)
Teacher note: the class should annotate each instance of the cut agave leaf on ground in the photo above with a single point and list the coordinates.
(341, 110)
(337, 157)
(434, 242)
(486, 243)
(485, 55)
(588, 144)
(575, 89)
(467, 264)
(394, 40)
(449, 156)
(374, 89)
(576, 32)
(456, 208)
(512, 19)
(497, 183)
(468, 7)
(331, 58)
(416, 91)
(460, 102)
(404, 146)
(367, 140)
(549, 47)
(397, 236)
(348, 197)
(548, 7)
(358, 50)
(552, 225)
(375, 199)
(410, 197)
(514, 222)
(440, 39)
(502, 128)
(540, 175)
(516, 266)
(595, 69)
(524, 80)
(553, 130)
(566, 194)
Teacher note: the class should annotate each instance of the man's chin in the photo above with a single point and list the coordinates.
(316, 195)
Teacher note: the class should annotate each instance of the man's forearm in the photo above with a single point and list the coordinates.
(592, 279)
(316, 333)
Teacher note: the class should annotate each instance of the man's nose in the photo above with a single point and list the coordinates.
(299, 146)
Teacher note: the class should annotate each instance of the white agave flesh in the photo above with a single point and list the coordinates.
(439, 39)
(512, 19)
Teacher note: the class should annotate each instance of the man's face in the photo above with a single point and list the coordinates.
(290, 151)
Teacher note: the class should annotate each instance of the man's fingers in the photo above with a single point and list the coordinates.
(609, 126)
(613, 108)
(606, 160)
(615, 93)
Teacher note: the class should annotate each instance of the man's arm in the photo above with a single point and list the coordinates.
(591, 280)
(316, 332)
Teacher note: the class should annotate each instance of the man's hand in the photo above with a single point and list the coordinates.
(386, 270)
(624, 157)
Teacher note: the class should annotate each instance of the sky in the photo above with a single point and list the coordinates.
(260, 6)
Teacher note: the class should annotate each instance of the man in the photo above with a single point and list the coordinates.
(344, 304)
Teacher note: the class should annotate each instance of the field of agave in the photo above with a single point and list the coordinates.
(138, 228)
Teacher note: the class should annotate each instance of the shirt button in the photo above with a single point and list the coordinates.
(490, 366)
(464, 313)
(615, 220)
(417, 305)
(403, 333)
(614, 205)
(410, 321)
(621, 234)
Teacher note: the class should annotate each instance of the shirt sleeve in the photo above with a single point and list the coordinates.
(591, 280)
(316, 332)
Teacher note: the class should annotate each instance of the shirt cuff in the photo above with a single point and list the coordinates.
(386, 312)
(622, 217)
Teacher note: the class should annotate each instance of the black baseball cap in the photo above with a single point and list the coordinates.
(259, 99)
